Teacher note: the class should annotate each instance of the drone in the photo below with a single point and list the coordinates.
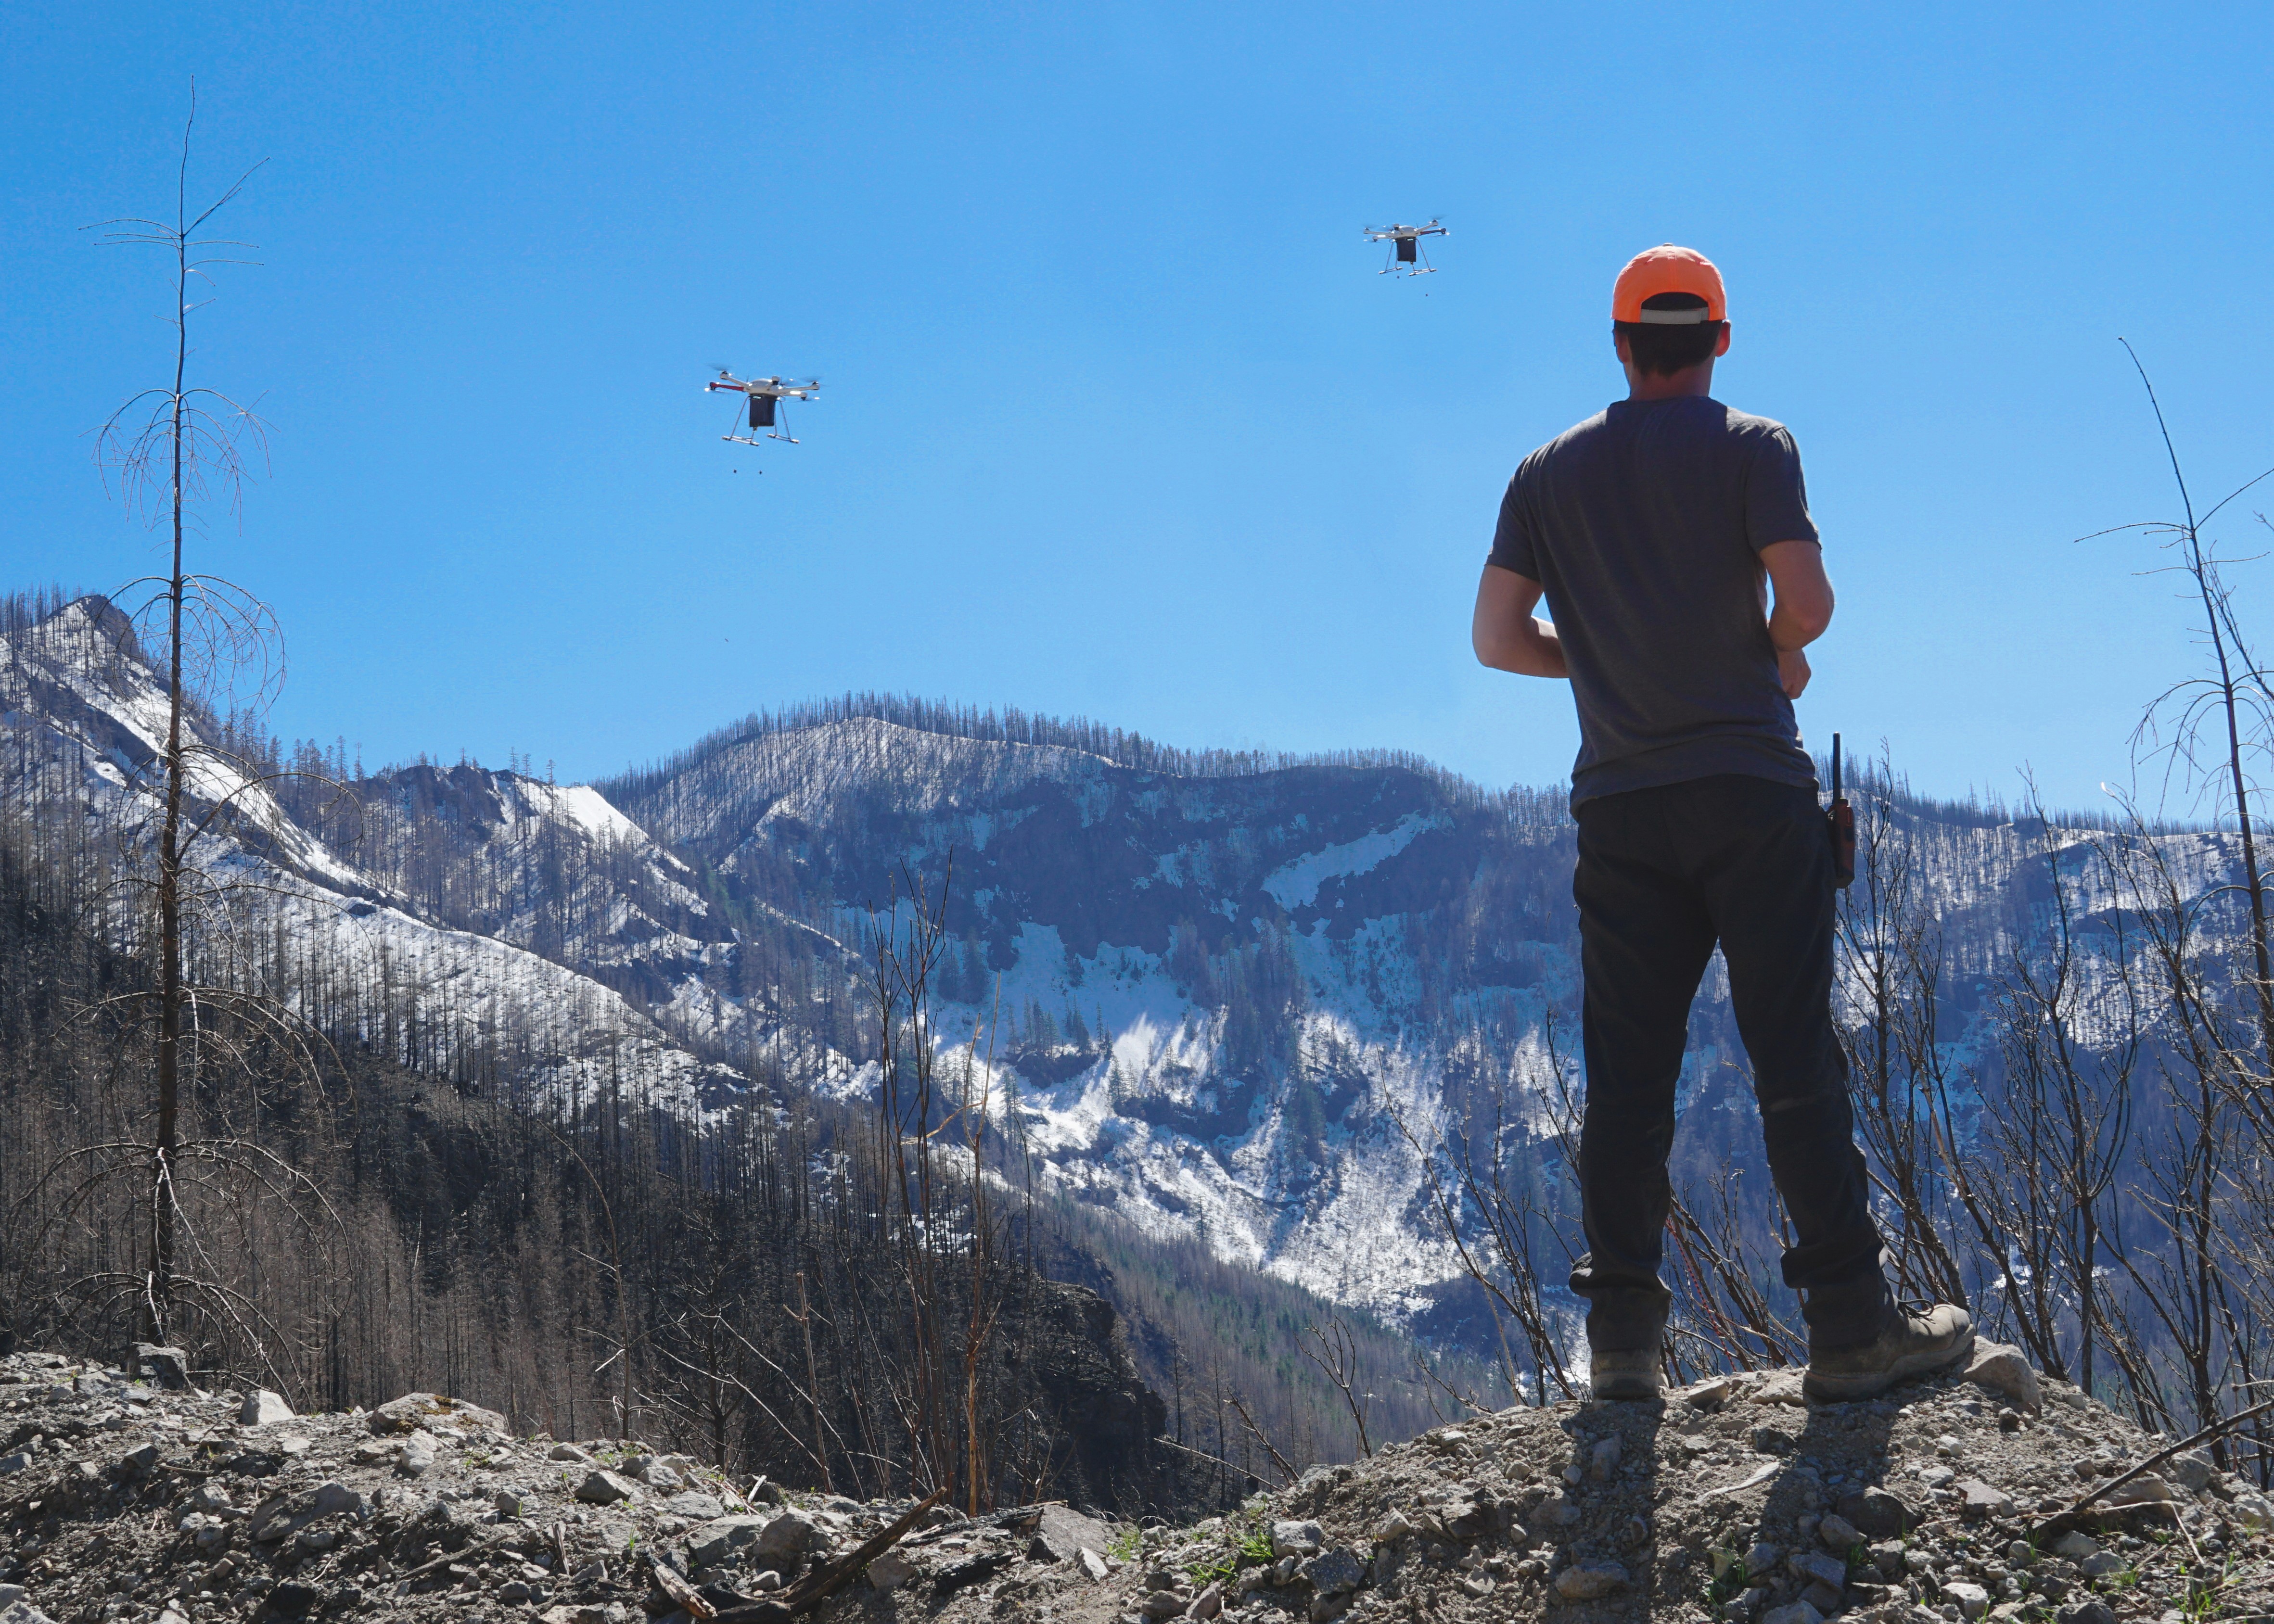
(765, 395)
(1406, 246)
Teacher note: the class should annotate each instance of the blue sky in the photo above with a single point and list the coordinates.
(1118, 417)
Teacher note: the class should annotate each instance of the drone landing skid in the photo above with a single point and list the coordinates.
(751, 439)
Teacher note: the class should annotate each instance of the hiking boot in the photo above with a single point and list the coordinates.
(1908, 1345)
(1612, 1373)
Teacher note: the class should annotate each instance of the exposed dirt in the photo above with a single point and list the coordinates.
(1734, 1499)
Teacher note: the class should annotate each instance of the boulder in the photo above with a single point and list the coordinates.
(2076, 1546)
(1973, 1601)
(418, 1453)
(568, 1451)
(604, 1488)
(262, 1407)
(1297, 1538)
(284, 1516)
(436, 1413)
(335, 1498)
(161, 1367)
(791, 1533)
(1464, 1519)
(1819, 1567)
(712, 1545)
(1208, 1603)
(1793, 1613)
(1094, 1566)
(1062, 1532)
(695, 1508)
(1333, 1572)
(1825, 1598)
(1837, 1533)
(1603, 1460)
(1982, 1500)
(2147, 1489)
(891, 1571)
(2003, 1370)
(1589, 1581)
(2194, 1470)
(2086, 1610)
(1159, 1604)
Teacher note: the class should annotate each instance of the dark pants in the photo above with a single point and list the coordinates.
(1663, 875)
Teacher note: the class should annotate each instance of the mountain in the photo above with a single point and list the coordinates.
(1237, 997)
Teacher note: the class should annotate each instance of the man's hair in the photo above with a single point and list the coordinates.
(1661, 350)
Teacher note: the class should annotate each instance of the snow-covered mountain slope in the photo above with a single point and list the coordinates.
(85, 720)
(1235, 999)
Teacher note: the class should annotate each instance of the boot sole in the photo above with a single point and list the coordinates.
(1617, 1387)
(1870, 1384)
(1638, 1379)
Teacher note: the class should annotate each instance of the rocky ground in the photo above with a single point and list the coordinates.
(124, 1498)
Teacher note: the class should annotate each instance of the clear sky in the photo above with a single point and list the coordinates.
(1118, 417)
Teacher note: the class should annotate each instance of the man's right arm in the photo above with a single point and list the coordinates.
(1504, 633)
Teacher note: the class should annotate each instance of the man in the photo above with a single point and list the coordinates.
(1655, 529)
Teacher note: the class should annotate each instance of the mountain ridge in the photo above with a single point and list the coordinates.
(1239, 996)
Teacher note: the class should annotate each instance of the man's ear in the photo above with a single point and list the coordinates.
(1722, 344)
(1619, 347)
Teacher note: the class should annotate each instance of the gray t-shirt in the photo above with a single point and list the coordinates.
(1645, 524)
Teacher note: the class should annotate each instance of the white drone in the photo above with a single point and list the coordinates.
(765, 395)
(1405, 246)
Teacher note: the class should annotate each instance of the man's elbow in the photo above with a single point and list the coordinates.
(1803, 616)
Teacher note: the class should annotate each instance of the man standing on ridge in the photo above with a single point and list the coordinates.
(1655, 529)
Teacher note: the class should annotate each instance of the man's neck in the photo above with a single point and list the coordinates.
(1690, 380)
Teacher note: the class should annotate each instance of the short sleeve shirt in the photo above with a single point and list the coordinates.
(1644, 525)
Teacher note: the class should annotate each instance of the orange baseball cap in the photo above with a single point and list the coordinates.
(1669, 269)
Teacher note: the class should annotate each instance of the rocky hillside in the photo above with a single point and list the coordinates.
(124, 1498)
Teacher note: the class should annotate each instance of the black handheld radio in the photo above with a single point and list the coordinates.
(1842, 817)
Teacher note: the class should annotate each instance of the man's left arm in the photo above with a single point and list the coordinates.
(1504, 633)
(1803, 606)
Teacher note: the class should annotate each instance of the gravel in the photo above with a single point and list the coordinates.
(1731, 1502)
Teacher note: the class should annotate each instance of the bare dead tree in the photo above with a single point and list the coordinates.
(1889, 1000)
(2233, 701)
(1488, 1193)
(196, 1152)
(1724, 1307)
(1336, 1356)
